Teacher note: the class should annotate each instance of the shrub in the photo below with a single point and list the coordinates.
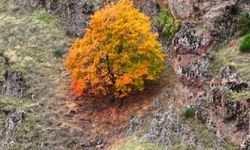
(245, 44)
(167, 25)
(188, 112)
(58, 52)
(117, 54)
(244, 23)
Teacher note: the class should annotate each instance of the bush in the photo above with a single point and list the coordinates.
(167, 25)
(244, 23)
(245, 44)
(58, 52)
(188, 112)
(117, 54)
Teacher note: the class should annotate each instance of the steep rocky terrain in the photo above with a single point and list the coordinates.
(38, 111)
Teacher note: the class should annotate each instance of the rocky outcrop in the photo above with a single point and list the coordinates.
(186, 41)
(75, 13)
(134, 124)
(7, 140)
(166, 128)
(14, 84)
(246, 144)
(169, 129)
(214, 106)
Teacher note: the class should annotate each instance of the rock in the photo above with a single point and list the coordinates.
(14, 84)
(221, 18)
(30, 3)
(166, 128)
(229, 74)
(2, 69)
(88, 6)
(148, 7)
(246, 144)
(134, 124)
(192, 75)
(76, 13)
(8, 138)
(180, 8)
(202, 109)
(186, 41)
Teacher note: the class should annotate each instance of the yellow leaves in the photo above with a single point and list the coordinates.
(117, 53)
(124, 80)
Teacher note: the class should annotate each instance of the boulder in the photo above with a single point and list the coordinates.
(14, 84)
(246, 144)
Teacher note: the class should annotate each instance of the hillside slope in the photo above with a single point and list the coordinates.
(190, 107)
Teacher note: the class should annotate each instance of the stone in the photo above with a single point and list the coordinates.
(134, 124)
(246, 144)
(186, 41)
(166, 128)
(8, 138)
(14, 84)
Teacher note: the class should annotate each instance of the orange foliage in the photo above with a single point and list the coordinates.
(117, 54)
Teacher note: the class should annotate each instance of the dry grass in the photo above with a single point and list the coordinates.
(228, 53)
(30, 40)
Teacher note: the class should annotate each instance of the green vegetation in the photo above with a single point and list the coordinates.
(137, 144)
(244, 23)
(188, 112)
(180, 147)
(245, 44)
(2, 8)
(167, 25)
(29, 43)
(45, 17)
(227, 54)
(58, 52)
(234, 96)
(207, 136)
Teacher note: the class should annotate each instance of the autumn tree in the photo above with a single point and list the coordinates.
(117, 54)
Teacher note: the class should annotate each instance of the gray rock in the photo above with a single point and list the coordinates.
(229, 74)
(14, 84)
(187, 39)
(246, 144)
(202, 109)
(8, 138)
(166, 128)
(134, 124)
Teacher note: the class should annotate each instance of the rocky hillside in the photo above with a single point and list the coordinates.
(202, 100)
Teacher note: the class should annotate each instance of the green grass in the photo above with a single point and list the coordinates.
(167, 25)
(2, 8)
(228, 53)
(207, 136)
(234, 96)
(188, 112)
(45, 16)
(244, 23)
(179, 147)
(245, 44)
(29, 40)
(137, 144)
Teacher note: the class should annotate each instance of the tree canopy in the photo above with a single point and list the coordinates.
(117, 54)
